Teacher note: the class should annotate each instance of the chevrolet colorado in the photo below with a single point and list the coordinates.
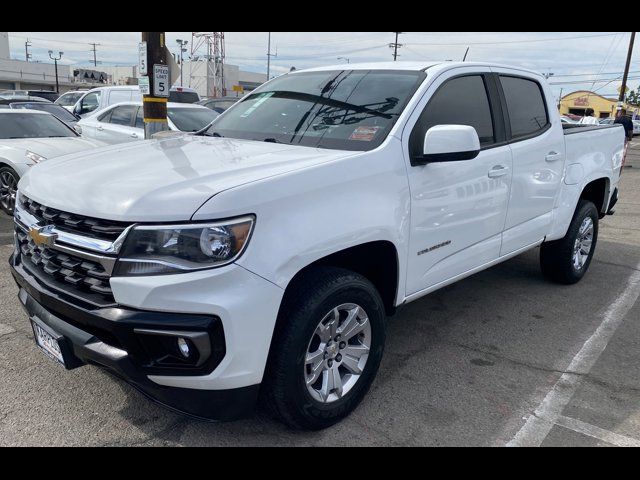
(260, 257)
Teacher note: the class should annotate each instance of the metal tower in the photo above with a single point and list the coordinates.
(207, 63)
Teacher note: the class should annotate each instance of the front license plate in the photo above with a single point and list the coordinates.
(47, 340)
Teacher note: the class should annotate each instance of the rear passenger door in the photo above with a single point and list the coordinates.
(538, 159)
(117, 125)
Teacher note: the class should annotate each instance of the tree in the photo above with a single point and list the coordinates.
(633, 97)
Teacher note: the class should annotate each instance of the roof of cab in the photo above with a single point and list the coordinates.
(415, 66)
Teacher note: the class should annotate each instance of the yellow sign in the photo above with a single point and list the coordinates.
(238, 88)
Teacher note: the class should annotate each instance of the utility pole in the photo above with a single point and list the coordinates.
(268, 56)
(55, 60)
(95, 61)
(27, 55)
(626, 68)
(155, 102)
(395, 45)
(181, 44)
(560, 100)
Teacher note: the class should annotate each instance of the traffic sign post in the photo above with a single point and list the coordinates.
(157, 85)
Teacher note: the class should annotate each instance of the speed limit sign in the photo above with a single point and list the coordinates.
(161, 81)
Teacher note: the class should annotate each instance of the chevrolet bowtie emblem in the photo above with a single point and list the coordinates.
(43, 236)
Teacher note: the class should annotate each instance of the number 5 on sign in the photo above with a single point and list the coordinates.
(161, 81)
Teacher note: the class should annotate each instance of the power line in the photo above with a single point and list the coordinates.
(504, 42)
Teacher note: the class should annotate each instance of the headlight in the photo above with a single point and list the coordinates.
(166, 249)
(34, 157)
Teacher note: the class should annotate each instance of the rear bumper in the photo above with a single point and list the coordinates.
(106, 337)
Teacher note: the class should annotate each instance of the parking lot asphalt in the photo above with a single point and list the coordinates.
(501, 358)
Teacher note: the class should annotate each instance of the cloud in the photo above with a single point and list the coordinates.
(575, 59)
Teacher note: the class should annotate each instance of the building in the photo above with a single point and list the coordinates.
(236, 81)
(22, 75)
(577, 102)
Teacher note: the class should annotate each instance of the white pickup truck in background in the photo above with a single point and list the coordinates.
(261, 257)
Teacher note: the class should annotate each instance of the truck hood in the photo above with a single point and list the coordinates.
(49, 147)
(161, 180)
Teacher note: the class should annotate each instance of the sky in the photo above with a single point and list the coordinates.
(577, 60)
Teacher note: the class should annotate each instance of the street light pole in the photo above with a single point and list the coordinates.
(55, 61)
(181, 44)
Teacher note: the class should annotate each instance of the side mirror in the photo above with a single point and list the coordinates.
(77, 109)
(449, 143)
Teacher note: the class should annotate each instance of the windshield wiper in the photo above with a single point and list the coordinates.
(207, 134)
(272, 140)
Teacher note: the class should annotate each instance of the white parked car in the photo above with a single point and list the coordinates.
(124, 122)
(263, 255)
(28, 137)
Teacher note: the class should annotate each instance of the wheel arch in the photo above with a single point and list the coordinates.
(378, 261)
(597, 191)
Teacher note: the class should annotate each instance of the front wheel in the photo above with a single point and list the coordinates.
(327, 349)
(8, 188)
(568, 259)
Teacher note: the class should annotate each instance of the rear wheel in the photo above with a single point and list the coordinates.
(568, 259)
(327, 349)
(8, 188)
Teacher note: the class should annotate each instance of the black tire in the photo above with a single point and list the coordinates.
(284, 389)
(6, 206)
(556, 257)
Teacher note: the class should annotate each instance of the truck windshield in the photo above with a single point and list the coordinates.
(32, 125)
(343, 110)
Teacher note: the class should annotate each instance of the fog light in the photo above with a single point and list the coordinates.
(183, 346)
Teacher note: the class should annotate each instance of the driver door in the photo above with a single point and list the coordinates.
(458, 207)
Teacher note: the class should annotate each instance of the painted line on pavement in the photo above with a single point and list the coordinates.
(538, 425)
(597, 432)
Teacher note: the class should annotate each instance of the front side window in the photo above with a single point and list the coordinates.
(525, 104)
(69, 99)
(459, 101)
(90, 102)
(340, 109)
(32, 125)
(122, 115)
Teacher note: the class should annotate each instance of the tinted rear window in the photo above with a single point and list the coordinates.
(525, 102)
(56, 110)
(183, 97)
(32, 125)
(191, 119)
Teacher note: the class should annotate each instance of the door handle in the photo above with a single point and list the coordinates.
(498, 171)
(553, 156)
(99, 129)
(134, 135)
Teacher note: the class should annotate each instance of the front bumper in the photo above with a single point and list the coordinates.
(106, 337)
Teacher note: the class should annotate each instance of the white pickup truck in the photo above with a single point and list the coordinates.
(261, 257)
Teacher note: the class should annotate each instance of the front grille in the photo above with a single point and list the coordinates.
(84, 276)
(70, 222)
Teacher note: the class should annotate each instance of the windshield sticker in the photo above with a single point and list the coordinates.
(364, 134)
(259, 102)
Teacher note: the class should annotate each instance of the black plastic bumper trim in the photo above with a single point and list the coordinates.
(85, 343)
